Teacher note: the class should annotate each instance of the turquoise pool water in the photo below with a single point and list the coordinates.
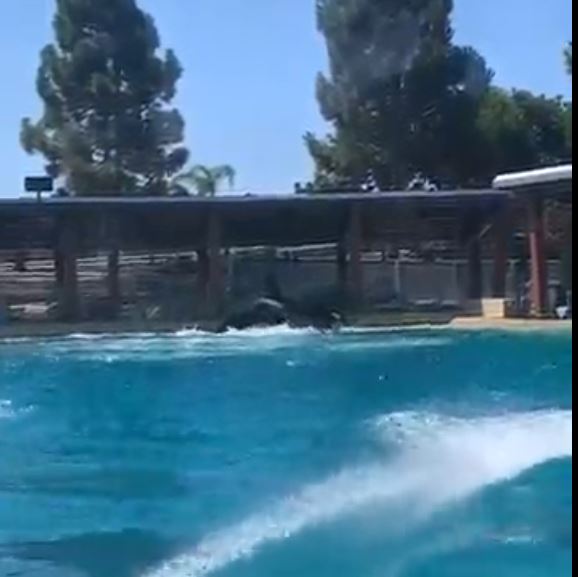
(287, 454)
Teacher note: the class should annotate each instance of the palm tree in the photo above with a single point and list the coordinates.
(205, 181)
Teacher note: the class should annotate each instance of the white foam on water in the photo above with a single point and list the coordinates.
(6, 410)
(439, 461)
(400, 342)
(521, 539)
(274, 338)
(98, 336)
(182, 345)
(198, 344)
(9, 412)
(195, 344)
(286, 330)
(89, 336)
(16, 340)
(254, 332)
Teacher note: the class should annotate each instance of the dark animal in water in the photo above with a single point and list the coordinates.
(266, 312)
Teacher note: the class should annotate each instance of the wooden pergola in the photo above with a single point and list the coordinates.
(354, 222)
(535, 188)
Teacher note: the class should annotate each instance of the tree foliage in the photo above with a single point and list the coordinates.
(108, 126)
(522, 131)
(203, 180)
(403, 99)
(570, 70)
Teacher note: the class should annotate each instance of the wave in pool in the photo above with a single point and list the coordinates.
(438, 461)
(201, 345)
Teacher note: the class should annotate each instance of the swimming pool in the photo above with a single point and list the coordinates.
(278, 453)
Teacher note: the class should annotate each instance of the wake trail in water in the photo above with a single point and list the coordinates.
(438, 461)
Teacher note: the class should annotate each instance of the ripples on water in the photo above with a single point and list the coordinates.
(279, 452)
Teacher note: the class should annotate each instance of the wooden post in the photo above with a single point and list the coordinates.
(214, 290)
(567, 258)
(342, 275)
(113, 281)
(501, 237)
(398, 283)
(355, 245)
(538, 264)
(58, 268)
(67, 272)
(113, 267)
(475, 270)
(203, 275)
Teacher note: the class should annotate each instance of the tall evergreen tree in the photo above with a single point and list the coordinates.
(521, 131)
(108, 127)
(401, 97)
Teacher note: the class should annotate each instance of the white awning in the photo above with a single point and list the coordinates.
(532, 178)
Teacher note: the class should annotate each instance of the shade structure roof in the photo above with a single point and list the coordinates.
(553, 181)
(246, 221)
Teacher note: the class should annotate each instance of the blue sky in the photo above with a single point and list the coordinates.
(248, 91)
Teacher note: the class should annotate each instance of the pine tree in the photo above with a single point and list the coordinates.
(521, 131)
(108, 127)
(401, 97)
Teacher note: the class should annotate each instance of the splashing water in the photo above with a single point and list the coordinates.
(440, 460)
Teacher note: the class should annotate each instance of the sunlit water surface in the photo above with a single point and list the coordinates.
(276, 453)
